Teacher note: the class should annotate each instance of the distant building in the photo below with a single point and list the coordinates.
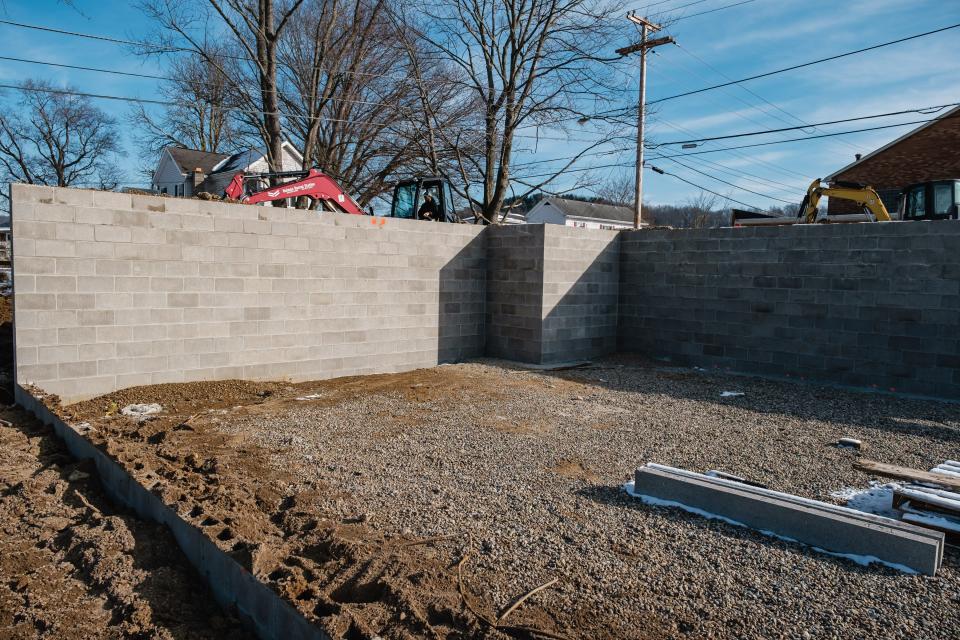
(184, 172)
(5, 244)
(929, 152)
(514, 217)
(576, 213)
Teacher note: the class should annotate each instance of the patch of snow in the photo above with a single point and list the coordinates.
(862, 560)
(930, 520)
(141, 409)
(876, 499)
(731, 394)
(312, 396)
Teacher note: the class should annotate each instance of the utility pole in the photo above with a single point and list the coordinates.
(646, 28)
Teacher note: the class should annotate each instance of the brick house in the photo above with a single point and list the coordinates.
(929, 152)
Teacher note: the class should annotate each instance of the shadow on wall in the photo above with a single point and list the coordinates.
(462, 303)
(551, 293)
(581, 283)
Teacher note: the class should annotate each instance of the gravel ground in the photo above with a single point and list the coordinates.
(534, 473)
(516, 478)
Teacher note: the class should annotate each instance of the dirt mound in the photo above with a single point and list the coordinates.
(71, 566)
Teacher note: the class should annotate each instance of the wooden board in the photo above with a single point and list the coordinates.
(926, 501)
(906, 473)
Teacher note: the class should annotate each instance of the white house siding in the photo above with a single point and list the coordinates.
(586, 223)
(167, 176)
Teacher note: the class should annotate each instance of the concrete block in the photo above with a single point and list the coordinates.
(835, 529)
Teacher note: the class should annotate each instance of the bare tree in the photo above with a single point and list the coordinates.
(53, 138)
(255, 28)
(200, 116)
(345, 106)
(618, 189)
(528, 63)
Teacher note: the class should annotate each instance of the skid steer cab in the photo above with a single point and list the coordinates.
(428, 198)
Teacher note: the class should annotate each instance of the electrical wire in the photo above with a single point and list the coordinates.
(922, 110)
(757, 95)
(702, 188)
(735, 186)
(806, 64)
(703, 13)
(825, 135)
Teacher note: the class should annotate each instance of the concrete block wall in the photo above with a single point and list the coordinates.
(551, 293)
(114, 290)
(581, 281)
(515, 292)
(858, 304)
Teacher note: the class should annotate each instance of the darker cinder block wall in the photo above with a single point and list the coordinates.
(859, 304)
(515, 292)
(581, 281)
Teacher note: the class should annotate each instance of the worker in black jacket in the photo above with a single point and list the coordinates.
(428, 210)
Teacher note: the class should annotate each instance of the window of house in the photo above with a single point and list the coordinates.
(163, 189)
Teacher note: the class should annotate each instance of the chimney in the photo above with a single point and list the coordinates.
(197, 178)
(857, 156)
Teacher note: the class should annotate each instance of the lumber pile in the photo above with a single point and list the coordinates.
(860, 536)
(929, 498)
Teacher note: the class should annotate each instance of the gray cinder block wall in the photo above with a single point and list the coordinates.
(114, 290)
(515, 292)
(859, 304)
(581, 281)
(551, 293)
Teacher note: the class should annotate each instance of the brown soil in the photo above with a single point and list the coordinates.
(72, 566)
(349, 578)
(574, 470)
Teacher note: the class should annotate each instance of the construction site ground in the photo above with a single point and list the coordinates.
(426, 504)
(72, 565)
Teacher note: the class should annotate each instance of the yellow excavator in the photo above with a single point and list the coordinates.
(865, 196)
(809, 212)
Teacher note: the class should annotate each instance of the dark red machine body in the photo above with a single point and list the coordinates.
(323, 191)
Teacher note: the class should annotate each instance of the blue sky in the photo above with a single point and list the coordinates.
(736, 42)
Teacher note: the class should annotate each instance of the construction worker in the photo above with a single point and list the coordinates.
(428, 210)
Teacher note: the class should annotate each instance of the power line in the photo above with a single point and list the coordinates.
(703, 13)
(702, 188)
(735, 186)
(757, 95)
(158, 77)
(807, 64)
(168, 103)
(923, 110)
(77, 34)
(825, 135)
(164, 49)
(777, 167)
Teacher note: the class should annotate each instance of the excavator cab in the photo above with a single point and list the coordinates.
(409, 198)
(936, 200)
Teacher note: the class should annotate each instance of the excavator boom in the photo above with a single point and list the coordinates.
(323, 190)
(865, 196)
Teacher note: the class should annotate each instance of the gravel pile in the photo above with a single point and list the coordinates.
(526, 469)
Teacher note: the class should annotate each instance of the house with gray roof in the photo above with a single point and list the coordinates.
(576, 213)
(185, 172)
